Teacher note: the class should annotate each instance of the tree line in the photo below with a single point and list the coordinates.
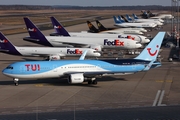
(42, 7)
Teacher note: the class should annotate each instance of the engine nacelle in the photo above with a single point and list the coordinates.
(76, 78)
(96, 47)
(54, 57)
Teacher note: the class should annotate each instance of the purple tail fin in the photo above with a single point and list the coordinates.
(35, 34)
(6, 46)
(60, 30)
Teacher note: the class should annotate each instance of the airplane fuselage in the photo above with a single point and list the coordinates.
(55, 69)
(47, 51)
(119, 43)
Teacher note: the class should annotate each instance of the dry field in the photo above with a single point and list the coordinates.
(14, 18)
(11, 19)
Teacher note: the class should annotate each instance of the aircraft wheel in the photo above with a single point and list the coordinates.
(90, 82)
(16, 84)
(16, 81)
(94, 82)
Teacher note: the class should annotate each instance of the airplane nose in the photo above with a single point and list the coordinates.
(138, 45)
(147, 40)
(4, 72)
(98, 54)
(141, 33)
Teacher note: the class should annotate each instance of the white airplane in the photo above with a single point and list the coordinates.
(102, 28)
(119, 22)
(96, 43)
(137, 20)
(61, 31)
(163, 16)
(157, 15)
(79, 71)
(93, 29)
(51, 53)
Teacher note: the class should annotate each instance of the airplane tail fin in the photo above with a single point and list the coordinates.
(124, 19)
(7, 46)
(145, 14)
(92, 28)
(135, 17)
(100, 26)
(35, 34)
(59, 29)
(152, 49)
(120, 19)
(116, 20)
(129, 18)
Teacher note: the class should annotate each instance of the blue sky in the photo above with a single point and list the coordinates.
(88, 2)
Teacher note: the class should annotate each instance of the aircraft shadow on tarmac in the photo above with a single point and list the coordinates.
(62, 81)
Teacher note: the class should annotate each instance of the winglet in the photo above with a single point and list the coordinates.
(148, 66)
(83, 55)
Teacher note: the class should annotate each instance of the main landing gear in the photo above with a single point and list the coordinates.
(94, 82)
(16, 81)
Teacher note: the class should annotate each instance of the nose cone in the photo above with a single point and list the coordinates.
(138, 45)
(146, 40)
(5, 72)
(98, 54)
(144, 30)
(141, 33)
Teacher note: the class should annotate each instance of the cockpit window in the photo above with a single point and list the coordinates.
(9, 67)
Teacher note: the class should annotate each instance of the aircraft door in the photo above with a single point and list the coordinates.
(54, 68)
(23, 69)
(133, 65)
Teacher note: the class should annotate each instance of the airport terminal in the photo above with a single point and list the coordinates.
(117, 67)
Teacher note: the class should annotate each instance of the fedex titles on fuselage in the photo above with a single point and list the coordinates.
(113, 43)
(76, 51)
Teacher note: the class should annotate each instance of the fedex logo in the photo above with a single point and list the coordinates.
(3, 41)
(32, 30)
(128, 37)
(113, 43)
(57, 26)
(76, 51)
(33, 67)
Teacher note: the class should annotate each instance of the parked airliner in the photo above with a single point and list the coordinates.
(61, 31)
(50, 53)
(119, 22)
(102, 28)
(93, 29)
(137, 20)
(96, 43)
(79, 71)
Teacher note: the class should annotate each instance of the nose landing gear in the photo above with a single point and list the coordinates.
(16, 81)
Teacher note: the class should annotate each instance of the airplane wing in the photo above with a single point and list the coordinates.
(71, 43)
(45, 55)
(95, 74)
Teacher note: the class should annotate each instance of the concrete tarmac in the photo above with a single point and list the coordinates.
(156, 87)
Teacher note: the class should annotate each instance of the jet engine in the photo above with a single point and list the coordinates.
(76, 78)
(96, 47)
(54, 57)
